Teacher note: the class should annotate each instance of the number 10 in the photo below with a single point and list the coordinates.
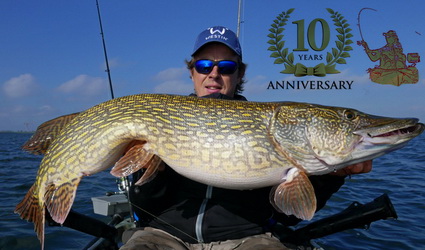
(311, 35)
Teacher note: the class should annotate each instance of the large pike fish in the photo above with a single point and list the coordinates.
(223, 143)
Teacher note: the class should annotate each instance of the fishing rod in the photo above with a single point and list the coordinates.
(239, 18)
(123, 182)
(358, 21)
(104, 50)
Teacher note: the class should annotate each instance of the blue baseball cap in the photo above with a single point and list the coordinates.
(218, 34)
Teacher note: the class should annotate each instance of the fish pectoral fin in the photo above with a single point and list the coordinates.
(134, 159)
(295, 196)
(46, 133)
(59, 199)
(32, 210)
(152, 168)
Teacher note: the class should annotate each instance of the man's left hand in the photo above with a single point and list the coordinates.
(358, 168)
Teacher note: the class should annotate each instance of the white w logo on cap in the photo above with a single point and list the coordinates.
(215, 31)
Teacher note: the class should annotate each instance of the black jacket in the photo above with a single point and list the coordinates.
(195, 212)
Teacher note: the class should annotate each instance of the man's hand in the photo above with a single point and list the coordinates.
(358, 168)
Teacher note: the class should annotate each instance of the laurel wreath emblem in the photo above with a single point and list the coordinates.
(338, 55)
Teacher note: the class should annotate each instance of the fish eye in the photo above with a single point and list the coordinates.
(349, 114)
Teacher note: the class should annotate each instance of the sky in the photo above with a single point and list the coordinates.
(52, 61)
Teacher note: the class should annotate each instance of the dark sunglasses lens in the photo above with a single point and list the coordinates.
(227, 67)
(224, 67)
(204, 66)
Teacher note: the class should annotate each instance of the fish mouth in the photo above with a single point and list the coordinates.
(399, 132)
(393, 132)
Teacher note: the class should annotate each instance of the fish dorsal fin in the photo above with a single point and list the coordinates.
(295, 196)
(134, 159)
(31, 210)
(59, 199)
(46, 133)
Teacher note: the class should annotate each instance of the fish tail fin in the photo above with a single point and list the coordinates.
(33, 210)
(59, 199)
(295, 196)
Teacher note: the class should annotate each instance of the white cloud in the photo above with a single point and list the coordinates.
(18, 109)
(45, 109)
(173, 81)
(255, 85)
(174, 87)
(20, 86)
(85, 85)
(171, 74)
(112, 62)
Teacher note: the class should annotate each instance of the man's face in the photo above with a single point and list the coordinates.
(214, 82)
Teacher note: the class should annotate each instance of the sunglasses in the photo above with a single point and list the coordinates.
(225, 67)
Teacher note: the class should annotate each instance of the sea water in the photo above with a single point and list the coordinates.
(400, 174)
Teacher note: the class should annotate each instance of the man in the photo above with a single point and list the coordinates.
(178, 213)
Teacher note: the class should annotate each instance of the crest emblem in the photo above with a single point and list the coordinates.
(337, 55)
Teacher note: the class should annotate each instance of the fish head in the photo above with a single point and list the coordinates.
(381, 135)
(330, 138)
(341, 136)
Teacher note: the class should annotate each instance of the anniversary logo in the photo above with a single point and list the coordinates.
(325, 59)
(319, 59)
